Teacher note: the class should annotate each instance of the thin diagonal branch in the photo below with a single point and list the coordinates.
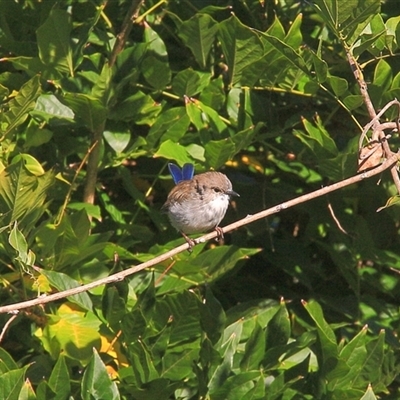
(389, 163)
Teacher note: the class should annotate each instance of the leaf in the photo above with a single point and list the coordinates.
(198, 33)
(173, 151)
(228, 347)
(383, 75)
(241, 386)
(338, 85)
(20, 106)
(22, 194)
(70, 321)
(189, 82)
(139, 107)
(317, 139)
(254, 349)
(156, 72)
(329, 350)
(155, 67)
(6, 361)
(370, 370)
(218, 152)
(212, 316)
(391, 201)
(63, 282)
(169, 125)
(118, 141)
(89, 110)
(241, 47)
(53, 39)
(286, 52)
(278, 329)
(347, 19)
(11, 383)
(59, 380)
(48, 107)
(96, 383)
(369, 394)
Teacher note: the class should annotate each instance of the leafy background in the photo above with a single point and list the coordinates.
(302, 306)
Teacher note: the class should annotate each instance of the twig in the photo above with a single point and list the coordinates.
(6, 325)
(337, 222)
(390, 162)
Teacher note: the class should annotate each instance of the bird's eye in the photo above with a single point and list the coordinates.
(216, 189)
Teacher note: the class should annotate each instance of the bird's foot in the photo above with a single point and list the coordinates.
(189, 241)
(220, 233)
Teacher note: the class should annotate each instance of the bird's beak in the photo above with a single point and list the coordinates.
(232, 193)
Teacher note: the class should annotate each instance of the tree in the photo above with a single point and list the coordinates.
(283, 97)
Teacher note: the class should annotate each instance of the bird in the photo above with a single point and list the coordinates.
(197, 203)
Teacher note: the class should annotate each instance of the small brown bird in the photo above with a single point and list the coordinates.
(199, 204)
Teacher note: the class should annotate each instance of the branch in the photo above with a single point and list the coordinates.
(94, 157)
(389, 163)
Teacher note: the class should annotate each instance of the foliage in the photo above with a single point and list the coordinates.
(303, 306)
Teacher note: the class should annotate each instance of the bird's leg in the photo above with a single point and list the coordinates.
(189, 241)
(220, 233)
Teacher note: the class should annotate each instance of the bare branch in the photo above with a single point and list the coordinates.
(389, 163)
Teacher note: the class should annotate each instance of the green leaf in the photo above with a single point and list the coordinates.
(156, 389)
(118, 141)
(286, 52)
(156, 72)
(30, 163)
(142, 363)
(254, 349)
(218, 152)
(36, 136)
(59, 380)
(338, 85)
(20, 106)
(370, 371)
(11, 383)
(53, 39)
(139, 108)
(22, 194)
(173, 151)
(6, 361)
(383, 76)
(318, 139)
(278, 329)
(241, 47)
(198, 33)
(189, 82)
(329, 349)
(96, 383)
(228, 347)
(212, 316)
(63, 282)
(241, 386)
(169, 125)
(18, 242)
(294, 38)
(89, 110)
(369, 394)
(48, 107)
(347, 18)
(353, 102)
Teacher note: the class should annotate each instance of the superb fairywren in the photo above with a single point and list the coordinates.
(197, 203)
